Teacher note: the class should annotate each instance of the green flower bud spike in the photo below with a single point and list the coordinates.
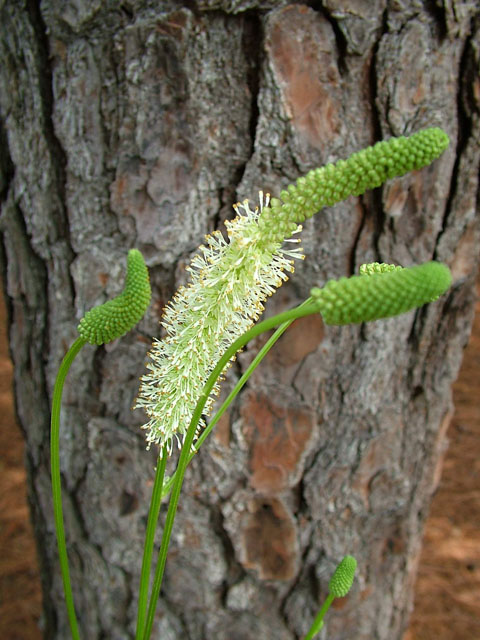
(101, 324)
(363, 170)
(381, 291)
(117, 317)
(338, 587)
(342, 579)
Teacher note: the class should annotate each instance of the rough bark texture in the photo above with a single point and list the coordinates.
(139, 123)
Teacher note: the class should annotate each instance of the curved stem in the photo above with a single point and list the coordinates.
(57, 483)
(153, 513)
(305, 309)
(233, 394)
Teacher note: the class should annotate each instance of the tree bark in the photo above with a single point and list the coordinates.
(139, 124)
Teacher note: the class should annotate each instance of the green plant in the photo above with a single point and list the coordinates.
(213, 317)
(102, 324)
(338, 587)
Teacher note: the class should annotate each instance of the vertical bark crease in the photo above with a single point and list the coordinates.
(341, 41)
(376, 195)
(466, 109)
(7, 168)
(44, 70)
(253, 45)
(438, 13)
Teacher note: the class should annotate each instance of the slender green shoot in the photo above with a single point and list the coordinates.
(149, 541)
(57, 483)
(101, 324)
(340, 584)
(317, 624)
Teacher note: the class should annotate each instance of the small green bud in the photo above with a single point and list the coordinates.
(342, 579)
(118, 316)
(377, 267)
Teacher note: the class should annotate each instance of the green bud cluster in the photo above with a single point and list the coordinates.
(363, 170)
(342, 580)
(118, 316)
(377, 267)
(381, 294)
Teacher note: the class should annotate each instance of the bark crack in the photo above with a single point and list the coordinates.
(7, 169)
(376, 194)
(466, 107)
(307, 568)
(252, 39)
(340, 39)
(45, 81)
(7, 172)
(353, 253)
(438, 14)
(235, 570)
(252, 44)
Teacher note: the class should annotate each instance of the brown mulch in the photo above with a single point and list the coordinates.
(447, 604)
(20, 596)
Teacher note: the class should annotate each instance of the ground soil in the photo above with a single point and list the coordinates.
(20, 596)
(447, 603)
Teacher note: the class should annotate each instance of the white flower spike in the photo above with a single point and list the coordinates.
(230, 279)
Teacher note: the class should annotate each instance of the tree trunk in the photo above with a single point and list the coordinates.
(139, 124)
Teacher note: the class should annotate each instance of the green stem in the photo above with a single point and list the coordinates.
(172, 510)
(233, 394)
(318, 622)
(304, 309)
(57, 484)
(153, 513)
